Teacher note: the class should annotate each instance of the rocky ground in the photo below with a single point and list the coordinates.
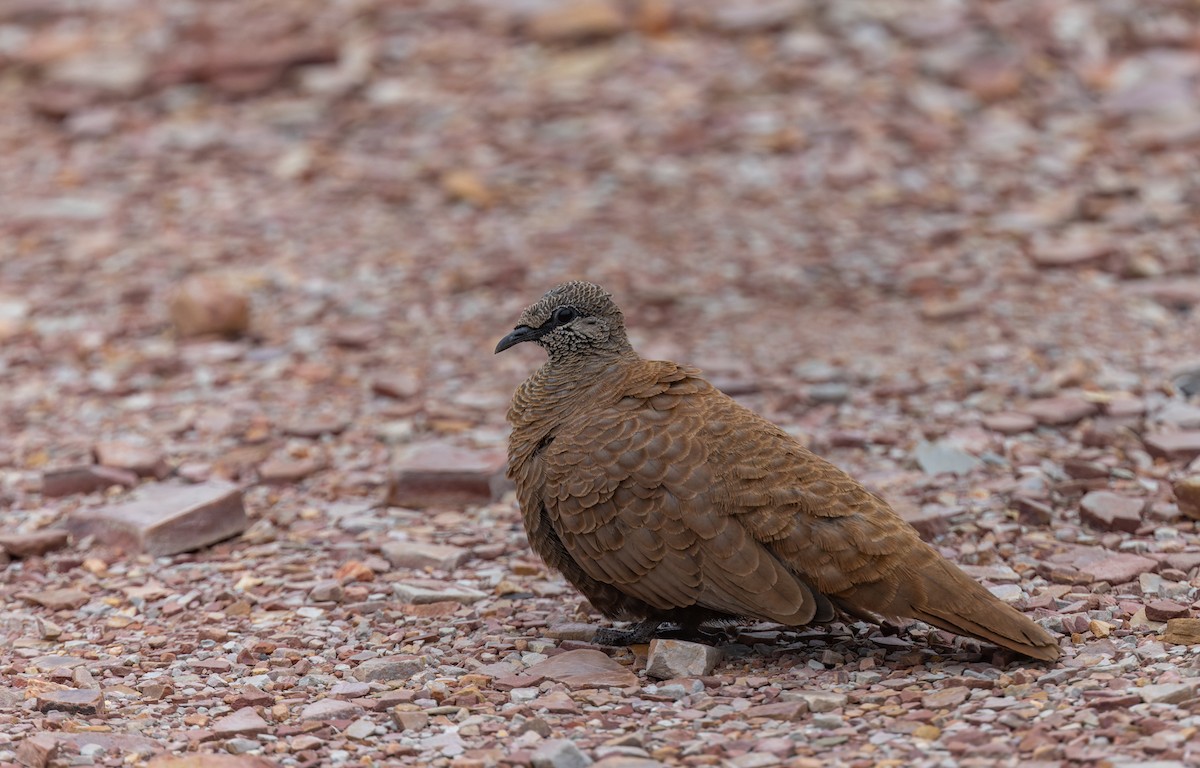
(254, 258)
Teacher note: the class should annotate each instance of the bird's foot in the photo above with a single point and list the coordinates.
(642, 632)
(645, 631)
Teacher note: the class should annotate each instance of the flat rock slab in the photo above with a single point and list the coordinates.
(584, 668)
(212, 760)
(33, 544)
(1100, 564)
(164, 519)
(57, 599)
(1059, 411)
(440, 474)
(419, 555)
(330, 709)
(424, 592)
(943, 457)
(1173, 446)
(1111, 511)
(388, 668)
(86, 479)
(87, 701)
(244, 722)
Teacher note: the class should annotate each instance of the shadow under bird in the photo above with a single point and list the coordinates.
(662, 500)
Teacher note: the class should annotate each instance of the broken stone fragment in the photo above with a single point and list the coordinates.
(677, 658)
(164, 519)
(1112, 512)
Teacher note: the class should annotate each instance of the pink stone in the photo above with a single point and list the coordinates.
(584, 668)
(439, 474)
(163, 519)
(1112, 512)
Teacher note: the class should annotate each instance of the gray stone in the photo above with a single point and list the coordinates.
(387, 668)
(559, 753)
(163, 519)
(422, 592)
(360, 730)
(419, 555)
(677, 658)
(939, 457)
(1167, 693)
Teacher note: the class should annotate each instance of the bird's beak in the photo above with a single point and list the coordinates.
(519, 334)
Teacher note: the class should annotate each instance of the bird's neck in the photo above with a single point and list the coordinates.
(563, 387)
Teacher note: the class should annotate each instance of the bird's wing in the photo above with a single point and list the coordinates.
(843, 540)
(629, 491)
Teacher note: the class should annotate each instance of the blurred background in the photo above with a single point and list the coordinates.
(883, 218)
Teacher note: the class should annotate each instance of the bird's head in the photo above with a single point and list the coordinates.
(572, 319)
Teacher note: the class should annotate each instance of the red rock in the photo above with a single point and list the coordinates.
(439, 474)
(576, 21)
(1173, 446)
(1009, 422)
(1162, 610)
(57, 599)
(584, 668)
(38, 750)
(244, 722)
(142, 460)
(88, 701)
(33, 544)
(163, 519)
(326, 710)
(72, 480)
(1112, 512)
(1032, 512)
(1099, 564)
(1058, 411)
(210, 305)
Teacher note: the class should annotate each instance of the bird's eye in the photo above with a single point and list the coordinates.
(564, 315)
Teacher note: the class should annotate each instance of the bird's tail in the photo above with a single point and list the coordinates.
(952, 600)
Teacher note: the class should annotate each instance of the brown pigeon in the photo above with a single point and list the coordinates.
(664, 501)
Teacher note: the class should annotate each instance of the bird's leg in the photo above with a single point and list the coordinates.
(642, 632)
